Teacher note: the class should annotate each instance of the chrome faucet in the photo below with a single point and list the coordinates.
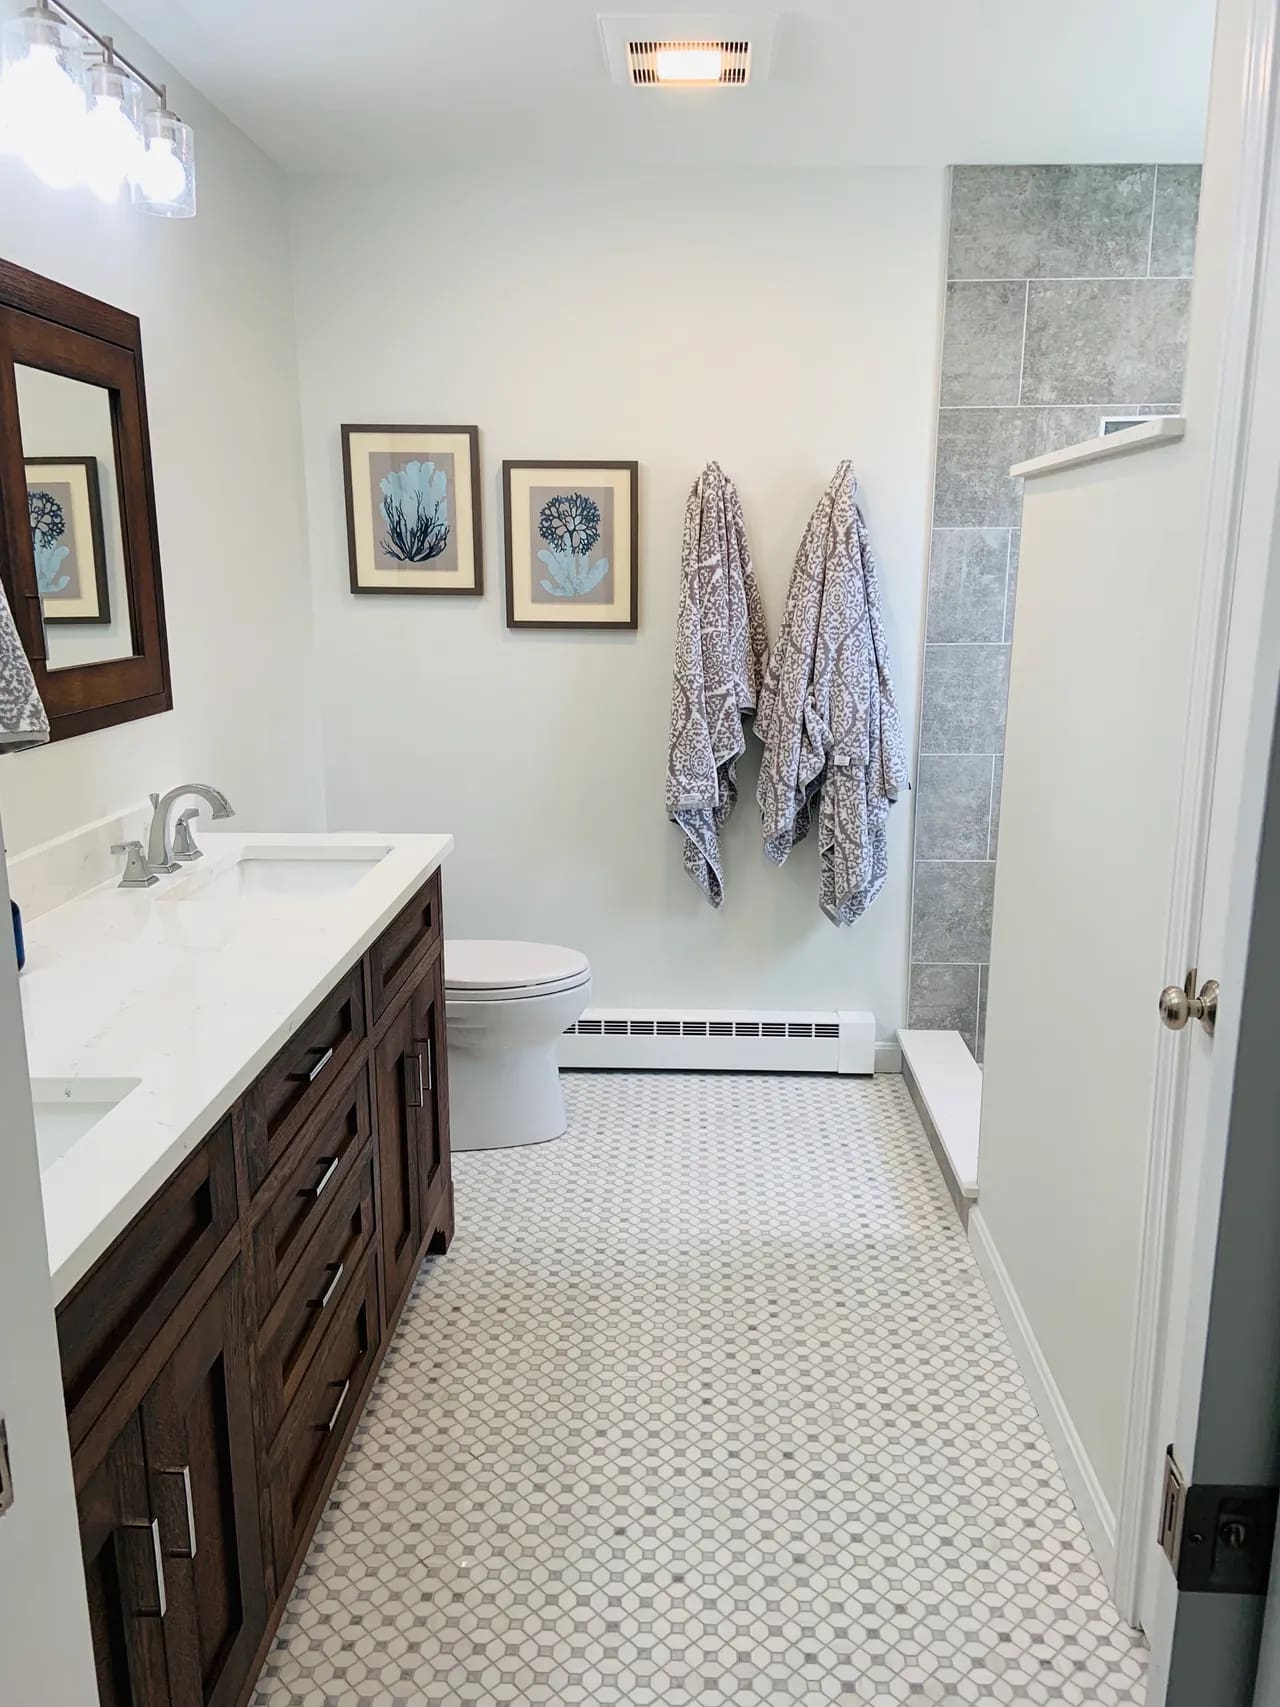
(160, 855)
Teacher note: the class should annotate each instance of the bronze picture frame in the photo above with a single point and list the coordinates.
(574, 518)
(394, 534)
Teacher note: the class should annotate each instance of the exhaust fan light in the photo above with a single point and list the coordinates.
(689, 64)
(691, 50)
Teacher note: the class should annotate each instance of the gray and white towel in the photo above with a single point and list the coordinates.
(722, 652)
(22, 716)
(827, 716)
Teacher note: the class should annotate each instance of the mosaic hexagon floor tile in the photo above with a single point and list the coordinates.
(706, 1405)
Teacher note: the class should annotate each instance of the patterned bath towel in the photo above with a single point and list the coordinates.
(722, 652)
(832, 739)
(22, 716)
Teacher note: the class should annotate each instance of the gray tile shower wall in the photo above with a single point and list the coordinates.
(1067, 298)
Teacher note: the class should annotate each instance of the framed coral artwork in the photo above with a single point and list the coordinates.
(413, 509)
(64, 504)
(572, 536)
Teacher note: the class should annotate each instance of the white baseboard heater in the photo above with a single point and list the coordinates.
(729, 1040)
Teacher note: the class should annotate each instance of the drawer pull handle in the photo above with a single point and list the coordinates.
(162, 1605)
(332, 1287)
(431, 1064)
(185, 1473)
(325, 1177)
(337, 1409)
(313, 1073)
(414, 1093)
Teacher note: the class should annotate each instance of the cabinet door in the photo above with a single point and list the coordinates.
(123, 1571)
(400, 1081)
(197, 1423)
(433, 1116)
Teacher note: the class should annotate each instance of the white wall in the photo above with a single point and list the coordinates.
(774, 321)
(1060, 1200)
(213, 296)
(44, 1621)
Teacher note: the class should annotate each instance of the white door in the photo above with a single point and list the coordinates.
(1216, 1319)
(1136, 776)
(45, 1656)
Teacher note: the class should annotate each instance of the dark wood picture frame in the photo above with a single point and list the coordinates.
(97, 536)
(632, 469)
(472, 434)
(48, 325)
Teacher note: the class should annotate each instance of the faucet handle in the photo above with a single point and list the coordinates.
(184, 843)
(137, 873)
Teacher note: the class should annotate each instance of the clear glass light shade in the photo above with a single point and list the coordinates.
(165, 180)
(113, 145)
(42, 97)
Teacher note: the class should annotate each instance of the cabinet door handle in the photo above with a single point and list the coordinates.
(325, 1177)
(332, 1287)
(313, 1073)
(414, 1093)
(185, 1473)
(162, 1605)
(431, 1064)
(337, 1409)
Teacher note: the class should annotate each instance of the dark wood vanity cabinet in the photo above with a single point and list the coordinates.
(217, 1357)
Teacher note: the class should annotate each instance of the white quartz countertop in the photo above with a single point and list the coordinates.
(191, 994)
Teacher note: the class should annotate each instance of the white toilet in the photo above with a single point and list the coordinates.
(507, 1005)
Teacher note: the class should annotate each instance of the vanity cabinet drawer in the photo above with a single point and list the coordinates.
(315, 1294)
(109, 1319)
(299, 1199)
(407, 941)
(290, 1090)
(313, 1430)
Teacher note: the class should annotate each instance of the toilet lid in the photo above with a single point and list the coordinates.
(481, 965)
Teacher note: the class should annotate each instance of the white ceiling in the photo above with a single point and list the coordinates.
(333, 85)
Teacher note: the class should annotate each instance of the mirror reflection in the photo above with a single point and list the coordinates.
(73, 498)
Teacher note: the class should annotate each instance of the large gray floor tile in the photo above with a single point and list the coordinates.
(982, 342)
(1106, 342)
(1062, 222)
(1173, 231)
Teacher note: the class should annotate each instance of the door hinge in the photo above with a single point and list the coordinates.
(6, 1474)
(1217, 1537)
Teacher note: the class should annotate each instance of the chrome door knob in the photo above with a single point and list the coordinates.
(1179, 1005)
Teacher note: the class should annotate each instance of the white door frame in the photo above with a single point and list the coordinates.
(1251, 236)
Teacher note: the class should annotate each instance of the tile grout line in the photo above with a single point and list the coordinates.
(1004, 614)
(986, 861)
(1001, 408)
(991, 805)
(1084, 278)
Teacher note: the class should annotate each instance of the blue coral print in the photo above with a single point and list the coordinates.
(570, 524)
(415, 508)
(48, 524)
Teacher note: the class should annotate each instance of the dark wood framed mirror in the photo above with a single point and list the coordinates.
(79, 553)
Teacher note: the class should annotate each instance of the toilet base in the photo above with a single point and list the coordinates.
(502, 1098)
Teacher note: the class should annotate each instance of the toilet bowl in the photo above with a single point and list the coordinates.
(507, 1004)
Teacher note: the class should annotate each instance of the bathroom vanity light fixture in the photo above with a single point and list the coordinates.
(78, 112)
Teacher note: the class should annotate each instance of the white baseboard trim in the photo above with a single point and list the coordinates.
(888, 1057)
(1090, 1501)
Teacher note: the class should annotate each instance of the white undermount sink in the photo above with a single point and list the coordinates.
(66, 1109)
(282, 873)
